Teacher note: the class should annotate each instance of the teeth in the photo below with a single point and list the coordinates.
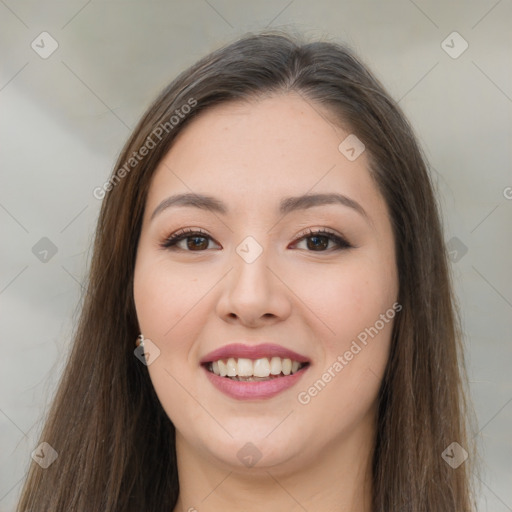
(223, 371)
(275, 366)
(244, 368)
(260, 368)
(231, 367)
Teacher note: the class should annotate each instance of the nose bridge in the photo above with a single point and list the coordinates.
(250, 260)
(250, 250)
(252, 291)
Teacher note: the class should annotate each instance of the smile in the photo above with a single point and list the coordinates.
(254, 372)
(249, 370)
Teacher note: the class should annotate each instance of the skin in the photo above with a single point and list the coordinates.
(314, 456)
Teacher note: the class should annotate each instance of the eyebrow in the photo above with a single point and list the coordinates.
(287, 204)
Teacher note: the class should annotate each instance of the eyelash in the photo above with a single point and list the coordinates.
(171, 241)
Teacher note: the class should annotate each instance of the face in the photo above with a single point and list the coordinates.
(253, 280)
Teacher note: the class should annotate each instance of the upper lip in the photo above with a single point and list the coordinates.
(237, 350)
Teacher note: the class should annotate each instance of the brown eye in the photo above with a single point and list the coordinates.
(318, 241)
(196, 241)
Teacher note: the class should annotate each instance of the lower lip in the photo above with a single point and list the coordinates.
(254, 390)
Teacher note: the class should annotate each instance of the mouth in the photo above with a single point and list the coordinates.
(254, 370)
(248, 372)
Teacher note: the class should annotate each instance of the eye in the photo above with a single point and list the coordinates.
(319, 240)
(195, 239)
(198, 241)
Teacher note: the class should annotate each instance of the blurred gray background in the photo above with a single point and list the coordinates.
(75, 77)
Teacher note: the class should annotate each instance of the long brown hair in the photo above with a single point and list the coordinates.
(115, 444)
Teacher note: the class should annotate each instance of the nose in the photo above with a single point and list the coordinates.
(253, 292)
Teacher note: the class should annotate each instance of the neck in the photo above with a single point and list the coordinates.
(338, 479)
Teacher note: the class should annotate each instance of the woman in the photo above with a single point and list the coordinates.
(309, 356)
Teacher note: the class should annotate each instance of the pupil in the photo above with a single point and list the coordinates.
(315, 246)
(193, 244)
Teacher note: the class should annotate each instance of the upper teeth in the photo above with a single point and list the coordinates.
(263, 367)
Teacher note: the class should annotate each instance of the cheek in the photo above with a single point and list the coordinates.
(162, 300)
(349, 300)
(356, 303)
(343, 388)
(162, 303)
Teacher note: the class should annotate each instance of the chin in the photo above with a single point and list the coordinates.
(258, 451)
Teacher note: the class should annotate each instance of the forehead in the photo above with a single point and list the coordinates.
(249, 153)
